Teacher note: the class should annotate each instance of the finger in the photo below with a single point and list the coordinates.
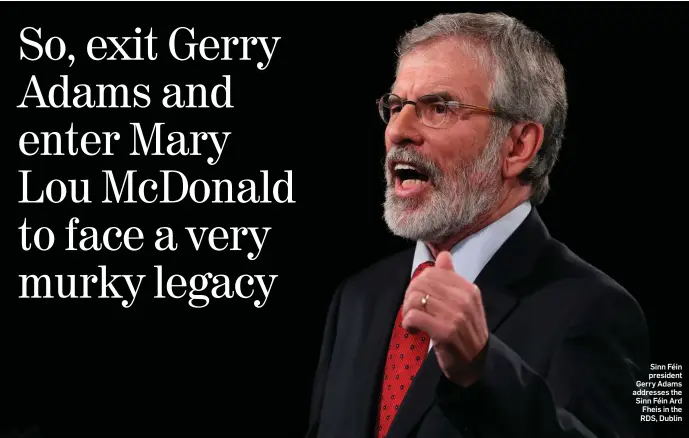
(442, 291)
(450, 286)
(444, 261)
(417, 320)
(434, 283)
(415, 298)
(447, 277)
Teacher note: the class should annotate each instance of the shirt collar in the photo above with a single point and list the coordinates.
(470, 255)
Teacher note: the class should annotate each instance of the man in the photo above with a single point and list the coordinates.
(487, 327)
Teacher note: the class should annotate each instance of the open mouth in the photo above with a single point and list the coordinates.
(409, 179)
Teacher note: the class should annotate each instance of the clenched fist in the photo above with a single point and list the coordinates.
(453, 317)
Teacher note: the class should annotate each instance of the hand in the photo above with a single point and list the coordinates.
(453, 318)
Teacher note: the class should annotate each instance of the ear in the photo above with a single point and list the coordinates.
(523, 142)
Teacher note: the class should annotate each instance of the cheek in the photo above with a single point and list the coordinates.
(386, 140)
(461, 144)
(451, 152)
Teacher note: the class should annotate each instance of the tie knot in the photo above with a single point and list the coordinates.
(421, 267)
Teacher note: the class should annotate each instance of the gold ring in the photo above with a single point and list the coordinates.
(424, 300)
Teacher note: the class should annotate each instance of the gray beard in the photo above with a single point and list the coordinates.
(453, 202)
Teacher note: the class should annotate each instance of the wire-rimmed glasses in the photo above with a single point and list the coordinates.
(431, 109)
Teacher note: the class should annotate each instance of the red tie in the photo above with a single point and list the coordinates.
(405, 356)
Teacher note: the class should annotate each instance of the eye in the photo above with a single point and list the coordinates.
(394, 105)
(438, 108)
(433, 104)
(395, 108)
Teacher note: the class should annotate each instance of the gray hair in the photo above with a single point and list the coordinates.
(528, 78)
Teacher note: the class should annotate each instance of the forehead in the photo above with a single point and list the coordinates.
(446, 65)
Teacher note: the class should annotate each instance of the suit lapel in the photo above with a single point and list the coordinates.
(383, 301)
(511, 263)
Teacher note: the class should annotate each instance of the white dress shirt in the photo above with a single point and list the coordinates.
(470, 255)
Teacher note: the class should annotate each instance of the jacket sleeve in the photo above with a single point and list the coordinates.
(320, 378)
(588, 390)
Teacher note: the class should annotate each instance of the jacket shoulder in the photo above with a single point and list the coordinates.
(401, 259)
(381, 270)
(580, 284)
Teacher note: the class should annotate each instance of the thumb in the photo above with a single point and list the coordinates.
(444, 261)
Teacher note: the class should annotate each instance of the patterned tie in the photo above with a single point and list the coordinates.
(405, 356)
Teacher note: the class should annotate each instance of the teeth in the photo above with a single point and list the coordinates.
(411, 182)
(404, 166)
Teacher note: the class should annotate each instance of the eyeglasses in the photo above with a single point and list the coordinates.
(431, 109)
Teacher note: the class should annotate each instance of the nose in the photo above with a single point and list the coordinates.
(404, 128)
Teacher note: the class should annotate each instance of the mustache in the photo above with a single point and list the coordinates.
(413, 157)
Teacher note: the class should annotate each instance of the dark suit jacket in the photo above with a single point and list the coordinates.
(567, 345)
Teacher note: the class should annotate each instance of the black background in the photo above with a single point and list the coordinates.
(91, 367)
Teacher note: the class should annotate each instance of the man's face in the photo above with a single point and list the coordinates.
(460, 176)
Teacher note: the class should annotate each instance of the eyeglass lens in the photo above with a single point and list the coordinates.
(431, 110)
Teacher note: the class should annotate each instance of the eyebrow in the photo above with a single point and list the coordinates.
(445, 94)
(448, 96)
